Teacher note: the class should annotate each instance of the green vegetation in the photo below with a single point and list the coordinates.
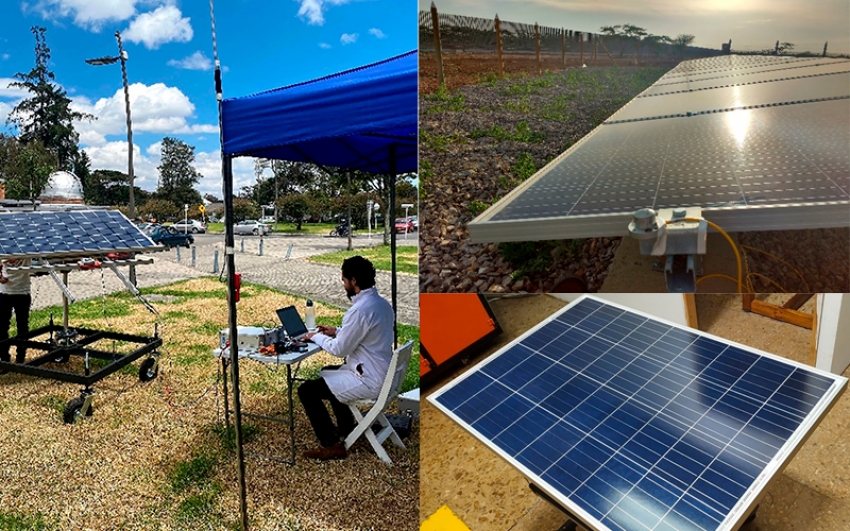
(445, 100)
(440, 143)
(476, 207)
(523, 133)
(533, 85)
(285, 227)
(226, 435)
(534, 258)
(524, 167)
(16, 521)
(407, 256)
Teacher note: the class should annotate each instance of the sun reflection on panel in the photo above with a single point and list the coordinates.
(738, 121)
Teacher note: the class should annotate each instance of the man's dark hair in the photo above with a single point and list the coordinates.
(359, 269)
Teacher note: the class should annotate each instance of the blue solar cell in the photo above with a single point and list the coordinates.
(47, 234)
(640, 424)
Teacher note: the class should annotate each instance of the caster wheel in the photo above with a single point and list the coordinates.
(62, 358)
(72, 410)
(148, 370)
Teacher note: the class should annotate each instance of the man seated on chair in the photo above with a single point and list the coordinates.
(365, 341)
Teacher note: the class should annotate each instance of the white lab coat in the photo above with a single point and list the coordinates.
(365, 339)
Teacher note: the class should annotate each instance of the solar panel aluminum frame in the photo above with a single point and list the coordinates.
(750, 499)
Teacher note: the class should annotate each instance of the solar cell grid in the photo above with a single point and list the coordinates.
(66, 234)
(635, 424)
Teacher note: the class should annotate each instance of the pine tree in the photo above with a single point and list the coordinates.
(46, 116)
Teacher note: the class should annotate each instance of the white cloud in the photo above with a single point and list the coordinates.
(324, 45)
(113, 156)
(11, 92)
(155, 108)
(86, 13)
(377, 33)
(196, 61)
(162, 25)
(314, 10)
(348, 38)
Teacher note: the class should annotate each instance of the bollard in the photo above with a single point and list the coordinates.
(243, 246)
(178, 253)
(194, 255)
(288, 252)
(261, 246)
(215, 261)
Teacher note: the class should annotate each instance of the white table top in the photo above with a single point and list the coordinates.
(288, 358)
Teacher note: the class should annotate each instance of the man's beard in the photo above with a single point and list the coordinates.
(350, 293)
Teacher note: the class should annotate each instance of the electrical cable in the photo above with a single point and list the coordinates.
(799, 274)
(717, 275)
(770, 281)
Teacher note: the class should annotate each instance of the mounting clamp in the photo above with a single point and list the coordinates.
(666, 233)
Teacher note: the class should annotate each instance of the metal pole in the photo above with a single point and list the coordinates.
(393, 247)
(350, 224)
(227, 177)
(275, 195)
(65, 302)
(131, 207)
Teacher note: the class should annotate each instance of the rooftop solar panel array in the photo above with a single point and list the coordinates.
(68, 234)
(633, 424)
(758, 143)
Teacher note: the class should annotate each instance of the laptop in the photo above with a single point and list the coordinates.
(292, 323)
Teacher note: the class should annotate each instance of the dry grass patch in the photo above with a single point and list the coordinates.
(155, 455)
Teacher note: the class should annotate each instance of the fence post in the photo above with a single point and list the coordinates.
(824, 48)
(564, 48)
(776, 50)
(438, 48)
(499, 50)
(580, 47)
(537, 41)
(595, 47)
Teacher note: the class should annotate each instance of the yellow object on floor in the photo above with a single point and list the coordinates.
(443, 520)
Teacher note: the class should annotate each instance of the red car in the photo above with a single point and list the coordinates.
(404, 225)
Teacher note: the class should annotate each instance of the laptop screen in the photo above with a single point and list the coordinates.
(291, 321)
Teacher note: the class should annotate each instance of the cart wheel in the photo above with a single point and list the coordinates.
(72, 410)
(752, 515)
(148, 370)
(62, 359)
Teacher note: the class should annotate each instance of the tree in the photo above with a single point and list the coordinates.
(295, 206)
(244, 209)
(26, 168)
(159, 209)
(46, 116)
(636, 35)
(177, 176)
(681, 43)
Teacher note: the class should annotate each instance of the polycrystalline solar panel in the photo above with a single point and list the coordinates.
(65, 234)
(634, 424)
(759, 156)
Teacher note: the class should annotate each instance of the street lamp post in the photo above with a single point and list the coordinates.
(122, 56)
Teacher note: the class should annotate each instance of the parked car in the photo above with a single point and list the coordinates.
(415, 220)
(169, 236)
(251, 227)
(404, 225)
(193, 225)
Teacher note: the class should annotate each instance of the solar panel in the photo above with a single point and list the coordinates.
(757, 150)
(68, 234)
(634, 424)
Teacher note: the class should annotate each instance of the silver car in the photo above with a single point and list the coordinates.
(251, 227)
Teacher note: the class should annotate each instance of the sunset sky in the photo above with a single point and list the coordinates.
(751, 24)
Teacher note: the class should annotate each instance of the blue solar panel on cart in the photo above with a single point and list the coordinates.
(58, 234)
(639, 424)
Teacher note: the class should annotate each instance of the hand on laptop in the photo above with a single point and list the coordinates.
(329, 331)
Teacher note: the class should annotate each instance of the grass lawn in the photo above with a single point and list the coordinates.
(320, 229)
(163, 444)
(407, 257)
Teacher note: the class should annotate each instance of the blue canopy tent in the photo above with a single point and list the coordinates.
(362, 119)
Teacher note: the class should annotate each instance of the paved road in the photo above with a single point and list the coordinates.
(296, 275)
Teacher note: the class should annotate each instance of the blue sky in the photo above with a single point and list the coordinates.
(751, 24)
(261, 45)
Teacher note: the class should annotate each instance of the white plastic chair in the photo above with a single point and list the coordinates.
(389, 392)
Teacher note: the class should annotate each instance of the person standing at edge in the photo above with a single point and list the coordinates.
(365, 340)
(14, 294)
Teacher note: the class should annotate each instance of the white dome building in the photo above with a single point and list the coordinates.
(64, 188)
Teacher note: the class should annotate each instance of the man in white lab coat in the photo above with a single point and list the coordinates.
(365, 340)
